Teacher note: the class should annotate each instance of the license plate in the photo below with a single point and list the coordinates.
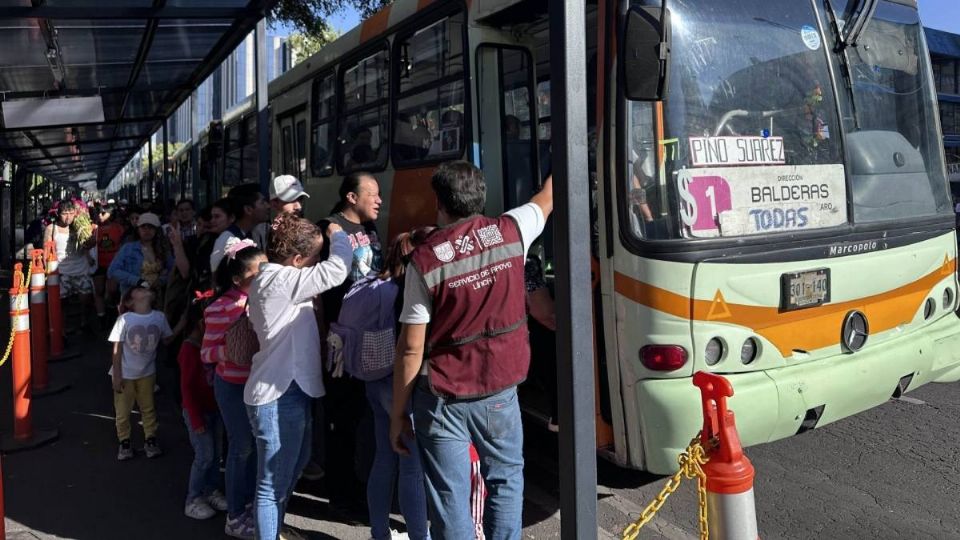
(800, 290)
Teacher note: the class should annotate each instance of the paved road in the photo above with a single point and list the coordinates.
(889, 473)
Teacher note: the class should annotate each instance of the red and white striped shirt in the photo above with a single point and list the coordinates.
(218, 317)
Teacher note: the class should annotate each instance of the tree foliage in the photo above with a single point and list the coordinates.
(306, 45)
(309, 17)
(158, 155)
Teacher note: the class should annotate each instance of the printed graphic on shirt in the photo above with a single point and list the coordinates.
(444, 252)
(464, 245)
(366, 254)
(490, 235)
(143, 339)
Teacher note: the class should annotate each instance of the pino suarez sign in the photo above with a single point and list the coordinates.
(736, 201)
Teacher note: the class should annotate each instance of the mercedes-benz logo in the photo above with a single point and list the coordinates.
(854, 331)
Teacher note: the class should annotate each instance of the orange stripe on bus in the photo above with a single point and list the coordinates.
(806, 329)
(423, 3)
(375, 25)
(412, 202)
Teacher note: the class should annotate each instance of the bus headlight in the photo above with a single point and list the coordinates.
(948, 299)
(748, 352)
(713, 352)
(929, 307)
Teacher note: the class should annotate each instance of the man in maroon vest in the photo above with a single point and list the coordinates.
(466, 281)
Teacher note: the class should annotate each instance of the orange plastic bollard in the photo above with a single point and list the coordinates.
(20, 324)
(24, 436)
(53, 299)
(731, 507)
(38, 319)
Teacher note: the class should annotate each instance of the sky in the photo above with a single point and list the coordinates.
(941, 14)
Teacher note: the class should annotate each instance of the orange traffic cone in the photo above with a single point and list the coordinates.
(55, 312)
(24, 436)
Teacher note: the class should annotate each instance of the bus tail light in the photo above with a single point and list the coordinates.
(663, 357)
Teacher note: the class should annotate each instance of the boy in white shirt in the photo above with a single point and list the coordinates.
(135, 337)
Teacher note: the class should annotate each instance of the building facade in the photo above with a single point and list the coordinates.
(945, 56)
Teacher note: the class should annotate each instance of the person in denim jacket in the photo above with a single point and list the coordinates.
(147, 259)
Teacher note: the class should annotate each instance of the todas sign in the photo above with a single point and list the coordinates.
(736, 201)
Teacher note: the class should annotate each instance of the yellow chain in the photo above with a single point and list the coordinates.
(13, 331)
(691, 462)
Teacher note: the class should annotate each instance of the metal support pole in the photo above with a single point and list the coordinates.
(152, 180)
(260, 99)
(194, 150)
(575, 383)
(6, 218)
(166, 164)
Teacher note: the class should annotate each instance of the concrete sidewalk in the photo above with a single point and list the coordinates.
(75, 487)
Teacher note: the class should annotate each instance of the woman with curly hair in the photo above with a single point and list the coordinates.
(286, 373)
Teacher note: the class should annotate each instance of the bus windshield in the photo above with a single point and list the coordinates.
(747, 140)
(893, 142)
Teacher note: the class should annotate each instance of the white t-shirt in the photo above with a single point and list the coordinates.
(141, 335)
(72, 262)
(417, 302)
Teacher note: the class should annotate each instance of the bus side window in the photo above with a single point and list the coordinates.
(363, 112)
(429, 120)
(322, 117)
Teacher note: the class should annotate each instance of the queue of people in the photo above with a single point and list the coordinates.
(308, 344)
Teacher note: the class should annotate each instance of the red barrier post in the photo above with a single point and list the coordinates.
(38, 319)
(731, 507)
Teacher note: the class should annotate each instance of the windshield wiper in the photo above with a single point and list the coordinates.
(850, 30)
(844, 59)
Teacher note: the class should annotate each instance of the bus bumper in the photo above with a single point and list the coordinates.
(770, 405)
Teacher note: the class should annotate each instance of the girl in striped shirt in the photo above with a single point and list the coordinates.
(241, 263)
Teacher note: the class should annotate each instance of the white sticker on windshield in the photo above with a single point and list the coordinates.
(811, 38)
(735, 201)
(713, 151)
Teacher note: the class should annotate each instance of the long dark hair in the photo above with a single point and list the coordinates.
(398, 254)
(233, 268)
(350, 184)
(161, 247)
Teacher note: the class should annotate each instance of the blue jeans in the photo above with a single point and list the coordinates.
(445, 428)
(283, 448)
(413, 503)
(205, 471)
(241, 471)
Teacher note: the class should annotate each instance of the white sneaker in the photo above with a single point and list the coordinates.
(199, 509)
(396, 535)
(217, 501)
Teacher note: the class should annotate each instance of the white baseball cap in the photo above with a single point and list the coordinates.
(149, 219)
(287, 188)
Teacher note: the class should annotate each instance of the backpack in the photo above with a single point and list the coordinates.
(241, 339)
(363, 339)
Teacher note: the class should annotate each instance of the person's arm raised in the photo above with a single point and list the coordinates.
(544, 199)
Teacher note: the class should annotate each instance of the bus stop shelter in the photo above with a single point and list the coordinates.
(84, 84)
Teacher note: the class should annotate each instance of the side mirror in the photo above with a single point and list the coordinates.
(646, 54)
